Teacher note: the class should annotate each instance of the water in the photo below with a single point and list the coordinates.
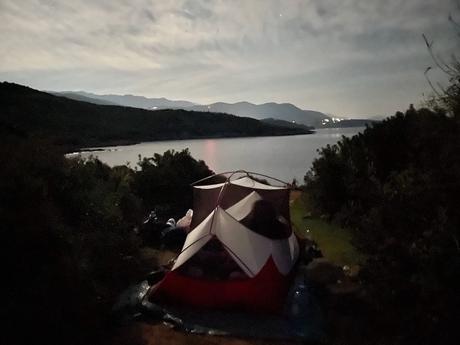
(285, 157)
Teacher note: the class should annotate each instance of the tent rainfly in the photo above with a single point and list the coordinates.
(240, 252)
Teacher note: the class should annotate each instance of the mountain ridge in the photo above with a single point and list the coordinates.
(277, 111)
(75, 124)
(128, 100)
(282, 111)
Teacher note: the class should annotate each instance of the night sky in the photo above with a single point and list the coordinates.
(354, 58)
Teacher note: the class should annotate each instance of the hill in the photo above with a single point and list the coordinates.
(282, 111)
(126, 100)
(80, 97)
(78, 124)
(283, 123)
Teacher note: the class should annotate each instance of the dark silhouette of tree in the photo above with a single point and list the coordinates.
(445, 97)
(397, 185)
(164, 181)
(68, 239)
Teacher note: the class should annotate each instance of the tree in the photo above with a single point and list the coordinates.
(69, 247)
(397, 185)
(445, 98)
(163, 182)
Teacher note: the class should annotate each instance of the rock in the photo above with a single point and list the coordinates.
(353, 272)
(322, 272)
(307, 216)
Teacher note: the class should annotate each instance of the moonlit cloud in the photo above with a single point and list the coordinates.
(349, 57)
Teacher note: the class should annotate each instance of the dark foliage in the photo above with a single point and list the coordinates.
(76, 124)
(67, 232)
(165, 180)
(69, 247)
(398, 186)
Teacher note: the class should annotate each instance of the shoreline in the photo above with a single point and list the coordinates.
(104, 147)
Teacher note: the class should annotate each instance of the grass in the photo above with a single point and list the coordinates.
(334, 241)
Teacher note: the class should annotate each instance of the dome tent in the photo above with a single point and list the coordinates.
(262, 264)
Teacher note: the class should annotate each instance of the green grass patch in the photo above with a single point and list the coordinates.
(333, 240)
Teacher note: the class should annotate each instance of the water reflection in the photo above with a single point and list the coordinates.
(210, 152)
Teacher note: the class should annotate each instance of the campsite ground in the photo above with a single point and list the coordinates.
(333, 241)
(159, 334)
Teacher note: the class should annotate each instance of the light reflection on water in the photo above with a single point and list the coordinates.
(285, 157)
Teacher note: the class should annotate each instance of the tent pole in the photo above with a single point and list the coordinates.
(239, 171)
(236, 256)
(191, 244)
(211, 176)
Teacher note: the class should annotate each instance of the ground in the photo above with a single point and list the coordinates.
(334, 241)
(160, 334)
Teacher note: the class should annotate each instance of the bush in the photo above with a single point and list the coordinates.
(397, 185)
(68, 234)
(69, 245)
(163, 182)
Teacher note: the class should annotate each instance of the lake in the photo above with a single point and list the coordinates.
(284, 157)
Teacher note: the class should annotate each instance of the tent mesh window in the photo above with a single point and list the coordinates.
(212, 262)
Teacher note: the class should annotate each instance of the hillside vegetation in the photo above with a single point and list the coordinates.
(397, 187)
(78, 124)
(70, 236)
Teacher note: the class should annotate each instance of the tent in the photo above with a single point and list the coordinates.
(240, 252)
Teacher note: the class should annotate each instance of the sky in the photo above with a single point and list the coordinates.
(354, 58)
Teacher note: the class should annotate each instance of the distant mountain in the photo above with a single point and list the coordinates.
(79, 97)
(127, 100)
(283, 111)
(73, 124)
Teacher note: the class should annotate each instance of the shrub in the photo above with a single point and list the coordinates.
(397, 185)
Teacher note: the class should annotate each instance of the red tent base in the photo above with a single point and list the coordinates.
(266, 292)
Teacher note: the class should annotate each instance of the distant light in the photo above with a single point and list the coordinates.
(281, 14)
(293, 121)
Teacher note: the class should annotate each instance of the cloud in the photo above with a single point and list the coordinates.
(349, 57)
